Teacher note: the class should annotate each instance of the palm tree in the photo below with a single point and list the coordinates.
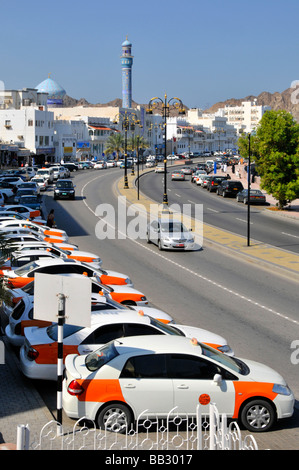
(115, 143)
(137, 142)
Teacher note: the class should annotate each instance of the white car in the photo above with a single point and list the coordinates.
(100, 165)
(40, 230)
(170, 235)
(151, 375)
(111, 164)
(20, 314)
(41, 343)
(42, 183)
(59, 172)
(22, 276)
(21, 209)
(160, 168)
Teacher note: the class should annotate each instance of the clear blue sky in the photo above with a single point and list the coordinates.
(200, 51)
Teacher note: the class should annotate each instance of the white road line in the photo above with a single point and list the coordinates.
(290, 235)
(213, 210)
(243, 220)
(194, 273)
(178, 195)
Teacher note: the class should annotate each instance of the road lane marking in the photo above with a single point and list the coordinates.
(290, 235)
(243, 220)
(194, 273)
(213, 210)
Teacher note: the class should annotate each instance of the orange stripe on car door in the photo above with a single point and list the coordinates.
(117, 281)
(101, 390)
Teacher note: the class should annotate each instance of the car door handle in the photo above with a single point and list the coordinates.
(130, 386)
(183, 387)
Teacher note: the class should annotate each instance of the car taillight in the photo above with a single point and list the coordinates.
(75, 388)
(32, 354)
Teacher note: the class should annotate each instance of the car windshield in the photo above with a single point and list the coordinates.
(170, 330)
(20, 272)
(173, 227)
(64, 184)
(232, 363)
(95, 360)
(68, 330)
(29, 199)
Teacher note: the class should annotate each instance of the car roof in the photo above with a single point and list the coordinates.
(116, 316)
(158, 344)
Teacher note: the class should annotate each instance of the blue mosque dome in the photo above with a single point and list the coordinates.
(55, 92)
(126, 43)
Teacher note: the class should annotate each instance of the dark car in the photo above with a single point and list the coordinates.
(71, 166)
(214, 182)
(64, 189)
(256, 196)
(229, 188)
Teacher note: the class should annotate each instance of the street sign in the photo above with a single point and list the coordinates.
(77, 293)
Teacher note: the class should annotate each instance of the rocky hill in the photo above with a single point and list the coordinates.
(287, 100)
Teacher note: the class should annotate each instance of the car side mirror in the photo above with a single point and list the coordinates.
(217, 379)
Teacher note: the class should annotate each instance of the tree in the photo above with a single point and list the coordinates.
(278, 163)
(115, 144)
(243, 145)
(137, 142)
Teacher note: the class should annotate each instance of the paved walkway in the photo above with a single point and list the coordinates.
(20, 404)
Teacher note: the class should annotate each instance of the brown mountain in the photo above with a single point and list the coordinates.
(287, 100)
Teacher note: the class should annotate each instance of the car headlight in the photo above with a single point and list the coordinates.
(281, 389)
(128, 281)
(143, 298)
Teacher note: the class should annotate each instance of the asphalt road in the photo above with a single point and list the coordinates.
(253, 309)
(225, 213)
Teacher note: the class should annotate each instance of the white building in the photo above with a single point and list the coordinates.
(245, 117)
(198, 133)
(26, 126)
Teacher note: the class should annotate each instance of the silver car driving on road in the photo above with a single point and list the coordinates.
(170, 235)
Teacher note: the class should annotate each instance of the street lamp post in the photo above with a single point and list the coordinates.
(153, 103)
(128, 121)
(248, 191)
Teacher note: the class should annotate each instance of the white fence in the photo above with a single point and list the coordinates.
(176, 432)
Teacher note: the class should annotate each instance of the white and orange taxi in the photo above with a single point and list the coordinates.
(48, 234)
(151, 375)
(22, 276)
(38, 355)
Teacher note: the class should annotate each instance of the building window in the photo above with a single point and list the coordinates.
(46, 140)
(30, 122)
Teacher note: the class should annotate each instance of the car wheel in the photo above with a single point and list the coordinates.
(224, 194)
(160, 245)
(245, 201)
(148, 238)
(258, 416)
(115, 417)
(237, 199)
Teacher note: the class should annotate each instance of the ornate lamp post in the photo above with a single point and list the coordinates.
(176, 103)
(128, 121)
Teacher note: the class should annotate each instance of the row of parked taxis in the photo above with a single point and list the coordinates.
(133, 357)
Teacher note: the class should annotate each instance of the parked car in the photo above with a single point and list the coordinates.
(100, 165)
(22, 276)
(59, 172)
(256, 196)
(40, 182)
(38, 355)
(229, 188)
(7, 189)
(159, 373)
(214, 182)
(21, 209)
(31, 201)
(71, 166)
(64, 189)
(47, 173)
(178, 175)
(205, 180)
(170, 235)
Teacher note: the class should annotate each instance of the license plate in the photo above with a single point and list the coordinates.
(180, 245)
(63, 194)
(236, 189)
